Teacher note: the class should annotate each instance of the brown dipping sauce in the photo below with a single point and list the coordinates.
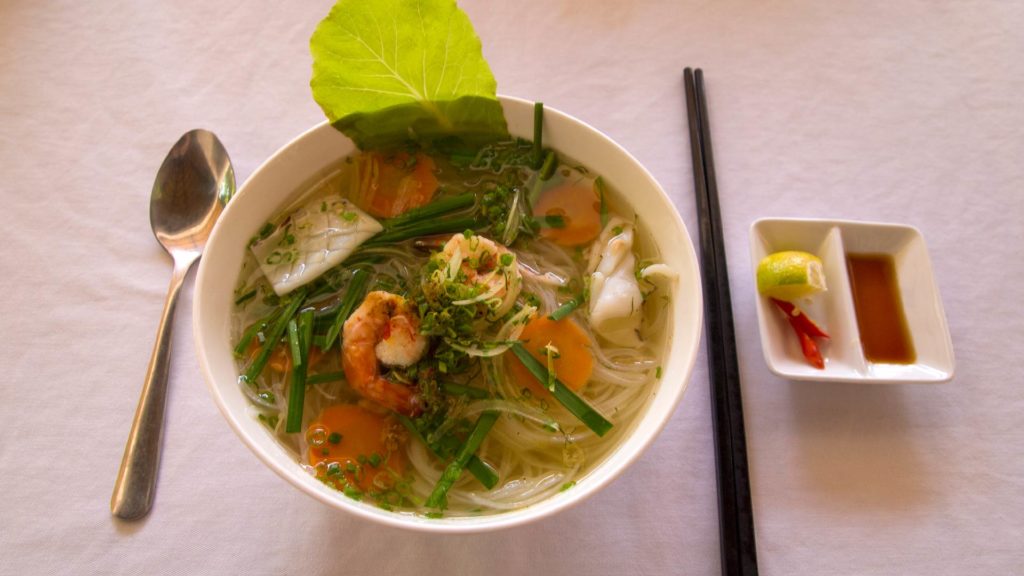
(884, 335)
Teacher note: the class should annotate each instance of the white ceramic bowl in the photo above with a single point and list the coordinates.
(831, 240)
(295, 166)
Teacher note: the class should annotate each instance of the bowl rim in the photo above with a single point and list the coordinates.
(663, 407)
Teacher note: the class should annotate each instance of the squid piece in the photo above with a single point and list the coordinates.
(314, 238)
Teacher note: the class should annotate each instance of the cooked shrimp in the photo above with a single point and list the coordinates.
(488, 267)
(383, 330)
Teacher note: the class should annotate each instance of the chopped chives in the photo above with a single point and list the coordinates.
(564, 310)
(480, 469)
(276, 331)
(300, 340)
(538, 134)
(573, 403)
(439, 497)
(354, 293)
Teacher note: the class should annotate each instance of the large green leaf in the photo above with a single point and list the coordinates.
(385, 71)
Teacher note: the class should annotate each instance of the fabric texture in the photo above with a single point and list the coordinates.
(900, 112)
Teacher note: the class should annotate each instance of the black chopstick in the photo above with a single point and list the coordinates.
(735, 512)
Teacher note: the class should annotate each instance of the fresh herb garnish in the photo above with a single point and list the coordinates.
(385, 71)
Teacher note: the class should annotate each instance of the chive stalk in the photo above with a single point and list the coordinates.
(248, 335)
(442, 226)
(566, 397)
(439, 497)
(563, 310)
(300, 340)
(547, 169)
(274, 335)
(477, 467)
(432, 210)
(293, 341)
(353, 294)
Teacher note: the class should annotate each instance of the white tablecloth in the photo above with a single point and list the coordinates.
(905, 112)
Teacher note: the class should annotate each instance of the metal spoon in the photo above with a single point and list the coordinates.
(191, 188)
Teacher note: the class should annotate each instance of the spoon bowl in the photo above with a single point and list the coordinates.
(192, 186)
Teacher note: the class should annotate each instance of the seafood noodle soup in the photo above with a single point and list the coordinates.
(452, 333)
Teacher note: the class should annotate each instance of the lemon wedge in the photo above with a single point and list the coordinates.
(790, 275)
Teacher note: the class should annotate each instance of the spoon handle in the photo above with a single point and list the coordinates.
(133, 491)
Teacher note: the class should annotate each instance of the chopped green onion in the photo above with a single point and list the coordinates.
(657, 373)
(547, 169)
(601, 189)
(300, 339)
(564, 310)
(480, 469)
(439, 497)
(276, 331)
(325, 377)
(334, 438)
(432, 210)
(538, 134)
(460, 390)
(354, 293)
(573, 403)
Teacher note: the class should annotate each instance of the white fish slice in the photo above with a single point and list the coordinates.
(316, 237)
(615, 298)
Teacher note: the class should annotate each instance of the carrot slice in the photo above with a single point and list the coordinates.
(392, 184)
(357, 445)
(579, 208)
(574, 363)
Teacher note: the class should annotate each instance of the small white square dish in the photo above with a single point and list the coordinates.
(931, 356)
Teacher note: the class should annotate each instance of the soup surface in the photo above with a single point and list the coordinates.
(884, 335)
(451, 333)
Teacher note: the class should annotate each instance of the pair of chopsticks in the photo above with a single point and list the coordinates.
(735, 513)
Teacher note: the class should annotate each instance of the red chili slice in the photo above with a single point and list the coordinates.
(810, 348)
(800, 321)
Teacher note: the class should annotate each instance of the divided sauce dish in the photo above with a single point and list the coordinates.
(834, 310)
